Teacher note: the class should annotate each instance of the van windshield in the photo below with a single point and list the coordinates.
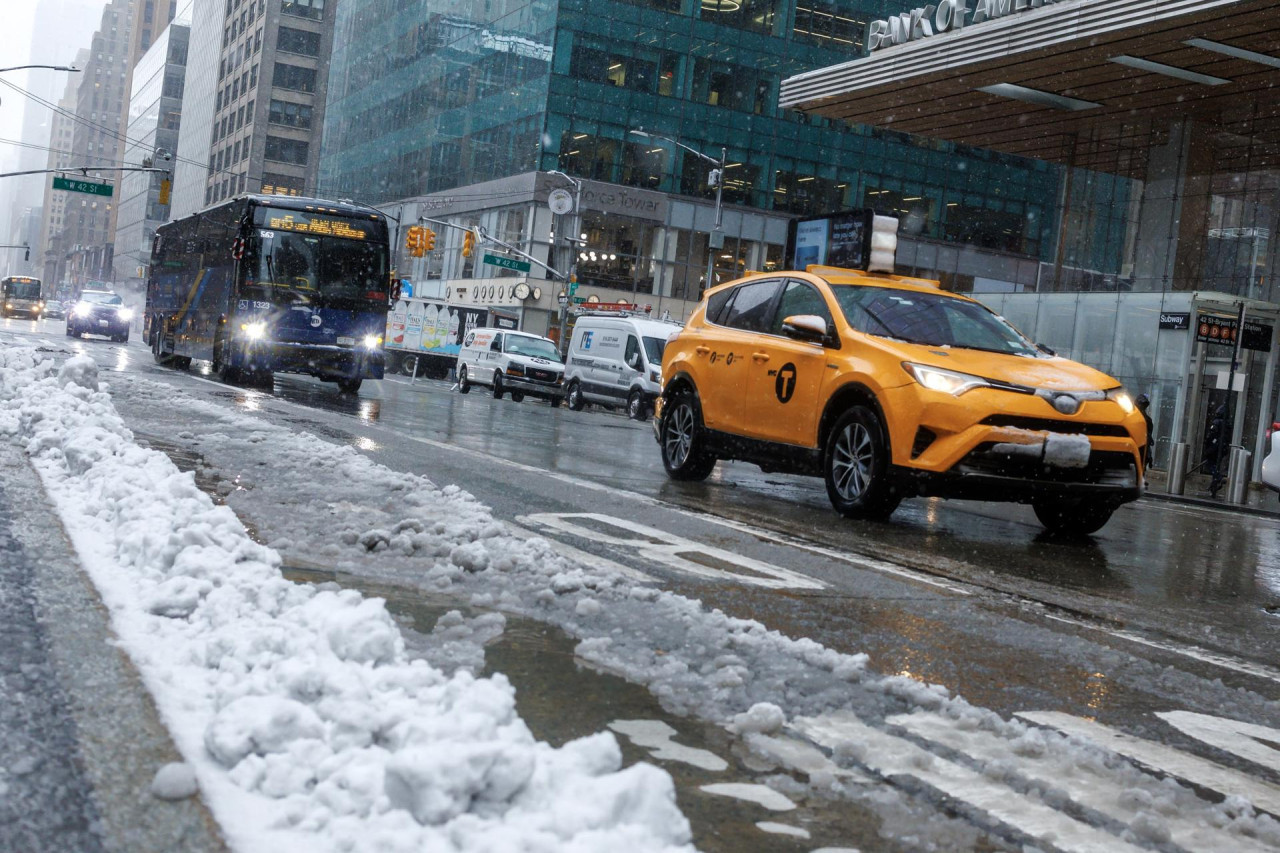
(653, 349)
(531, 347)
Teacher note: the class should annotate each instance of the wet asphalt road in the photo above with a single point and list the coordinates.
(1170, 607)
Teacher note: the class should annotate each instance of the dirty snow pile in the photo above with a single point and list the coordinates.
(308, 726)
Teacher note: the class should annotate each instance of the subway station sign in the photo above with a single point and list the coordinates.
(1212, 329)
(943, 17)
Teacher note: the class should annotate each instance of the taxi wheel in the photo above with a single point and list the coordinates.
(574, 395)
(855, 466)
(684, 452)
(464, 384)
(1073, 516)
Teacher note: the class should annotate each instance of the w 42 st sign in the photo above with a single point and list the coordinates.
(87, 187)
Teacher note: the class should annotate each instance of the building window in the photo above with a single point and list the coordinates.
(313, 9)
(290, 115)
(300, 42)
(756, 15)
(286, 150)
(281, 184)
(827, 23)
(294, 77)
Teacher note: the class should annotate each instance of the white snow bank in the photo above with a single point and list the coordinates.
(306, 724)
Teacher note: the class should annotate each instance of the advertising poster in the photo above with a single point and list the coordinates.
(848, 245)
(395, 324)
(449, 326)
(413, 325)
(811, 243)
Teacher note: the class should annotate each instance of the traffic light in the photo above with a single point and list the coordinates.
(468, 244)
(429, 240)
(26, 255)
(415, 240)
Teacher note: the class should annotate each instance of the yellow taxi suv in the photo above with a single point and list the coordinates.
(889, 388)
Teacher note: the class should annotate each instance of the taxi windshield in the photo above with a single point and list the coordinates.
(933, 319)
(531, 347)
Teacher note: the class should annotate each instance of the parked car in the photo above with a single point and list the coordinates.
(888, 388)
(510, 361)
(1271, 464)
(100, 312)
(616, 361)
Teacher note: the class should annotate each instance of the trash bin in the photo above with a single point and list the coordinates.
(1238, 474)
(1178, 468)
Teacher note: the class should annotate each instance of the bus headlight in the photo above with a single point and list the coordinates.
(125, 314)
(254, 331)
(372, 341)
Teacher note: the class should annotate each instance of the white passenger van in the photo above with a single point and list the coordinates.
(510, 361)
(617, 361)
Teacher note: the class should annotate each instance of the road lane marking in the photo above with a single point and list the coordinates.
(1257, 670)
(782, 829)
(674, 552)
(655, 736)
(857, 560)
(888, 755)
(585, 558)
(1166, 759)
(1078, 781)
(761, 795)
(1245, 740)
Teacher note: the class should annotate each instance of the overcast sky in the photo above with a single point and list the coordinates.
(15, 49)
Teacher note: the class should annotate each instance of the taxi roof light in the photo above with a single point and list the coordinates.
(884, 244)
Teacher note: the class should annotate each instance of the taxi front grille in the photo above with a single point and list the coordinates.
(1105, 468)
(1054, 425)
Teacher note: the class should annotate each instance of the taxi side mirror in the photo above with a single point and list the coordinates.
(805, 327)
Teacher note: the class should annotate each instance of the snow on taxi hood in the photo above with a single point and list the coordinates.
(1053, 373)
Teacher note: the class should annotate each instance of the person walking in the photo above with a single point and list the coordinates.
(1144, 404)
(1213, 438)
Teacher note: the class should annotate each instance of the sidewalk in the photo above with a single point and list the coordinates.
(1259, 500)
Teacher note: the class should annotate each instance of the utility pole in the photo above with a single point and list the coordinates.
(571, 281)
(715, 240)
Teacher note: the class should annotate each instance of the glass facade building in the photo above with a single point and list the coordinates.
(426, 97)
(155, 117)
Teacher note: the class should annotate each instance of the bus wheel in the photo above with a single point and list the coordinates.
(225, 372)
(349, 386)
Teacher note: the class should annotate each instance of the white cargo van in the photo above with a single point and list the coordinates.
(616, 361)
(510, 361)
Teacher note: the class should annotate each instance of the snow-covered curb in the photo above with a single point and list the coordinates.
(308, 726)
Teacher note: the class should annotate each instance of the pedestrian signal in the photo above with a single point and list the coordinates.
(468, 244)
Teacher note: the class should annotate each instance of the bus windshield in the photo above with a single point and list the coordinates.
(322, 270)
(22, 288)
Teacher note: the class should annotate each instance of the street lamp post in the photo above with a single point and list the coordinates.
(716, 178)
(50, 67)
(573, 256)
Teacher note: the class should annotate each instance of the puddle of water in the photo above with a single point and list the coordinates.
(561, 698)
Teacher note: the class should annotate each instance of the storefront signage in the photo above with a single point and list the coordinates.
(1176, 320)
(627, 202)
(1222, 330)
(942, 17)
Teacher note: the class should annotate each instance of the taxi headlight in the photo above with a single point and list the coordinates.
(946, 381)
(254, 331)
(1121, 398)
(372, 341)
(125, 314)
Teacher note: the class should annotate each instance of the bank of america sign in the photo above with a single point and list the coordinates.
(942, 17)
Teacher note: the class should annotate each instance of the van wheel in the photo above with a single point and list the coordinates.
(855, 466)
(517, 396)
(637, 409)
(1073, 516)
(574, 397)
(683, 441)
(497, 386)
(464, 384)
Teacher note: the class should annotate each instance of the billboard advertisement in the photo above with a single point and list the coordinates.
(840, 239)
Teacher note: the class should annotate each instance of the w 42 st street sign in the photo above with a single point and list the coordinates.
(87, 187)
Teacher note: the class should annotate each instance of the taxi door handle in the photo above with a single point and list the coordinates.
(701, 350)
(760, 356)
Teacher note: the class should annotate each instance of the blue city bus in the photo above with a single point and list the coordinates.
(262, 284)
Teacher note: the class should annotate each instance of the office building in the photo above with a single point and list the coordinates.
(462, 113)
(155, 117)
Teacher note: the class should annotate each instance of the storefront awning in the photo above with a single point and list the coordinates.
(1032, 80)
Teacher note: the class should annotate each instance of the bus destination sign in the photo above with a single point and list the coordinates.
(305, 223)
